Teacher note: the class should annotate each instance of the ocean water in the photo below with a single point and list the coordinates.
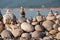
(29, 3)
(28, 12)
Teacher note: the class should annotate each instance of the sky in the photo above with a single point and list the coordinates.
(29, 3)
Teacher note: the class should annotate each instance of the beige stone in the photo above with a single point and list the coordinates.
(27, 27)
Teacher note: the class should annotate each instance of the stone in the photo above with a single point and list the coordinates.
(58, 35)
(59, 29)
(8, 17)
(22, 13)
(36, 34)
(47, 38)
(6, 34)
(17, 32)
(39, 28)
(25, 35)
(39, 17)
(50, 16)
(53, 32)
(58, 17)
(34, 23)
(48, 25)
(27, 27)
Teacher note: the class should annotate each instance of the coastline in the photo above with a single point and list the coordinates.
(35, 8)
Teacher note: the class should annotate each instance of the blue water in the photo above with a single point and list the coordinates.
(29, 13)
(29, 3)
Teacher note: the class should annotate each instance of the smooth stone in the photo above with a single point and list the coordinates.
(34, 23)
(55, 26)
(47, 38)
(17, 32)
(6, 34)
(53, 32)
(21, 20)
(48, 25)
(50, 17)
(34, 19)
(59, 29)
(57, 21)
(27, 27)
(58, 35)
(36, 34)
(58, 17)
(26, 35)
(38, 28)
(39, 18)
(22, 38)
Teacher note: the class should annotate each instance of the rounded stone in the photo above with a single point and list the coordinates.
(53, 32)
(51, 18)
(57, 21)
(55, 27)
(59, 29)
(17, 32)
(58, 17)
(39, 18)
(38, 28)
(6, 34)
(27, 27)
(21, 20)
(58, 35)
(47, 38)
(36, 34)
(25, 35)
(48, 25)
(34, 19)
(34, 23)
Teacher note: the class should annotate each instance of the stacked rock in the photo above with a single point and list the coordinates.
(37, 28)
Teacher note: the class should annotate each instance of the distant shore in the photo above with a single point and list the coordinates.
(35, 8)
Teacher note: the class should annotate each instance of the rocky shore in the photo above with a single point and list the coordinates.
(37, 28)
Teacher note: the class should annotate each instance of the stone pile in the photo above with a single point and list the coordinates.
(37, 28)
